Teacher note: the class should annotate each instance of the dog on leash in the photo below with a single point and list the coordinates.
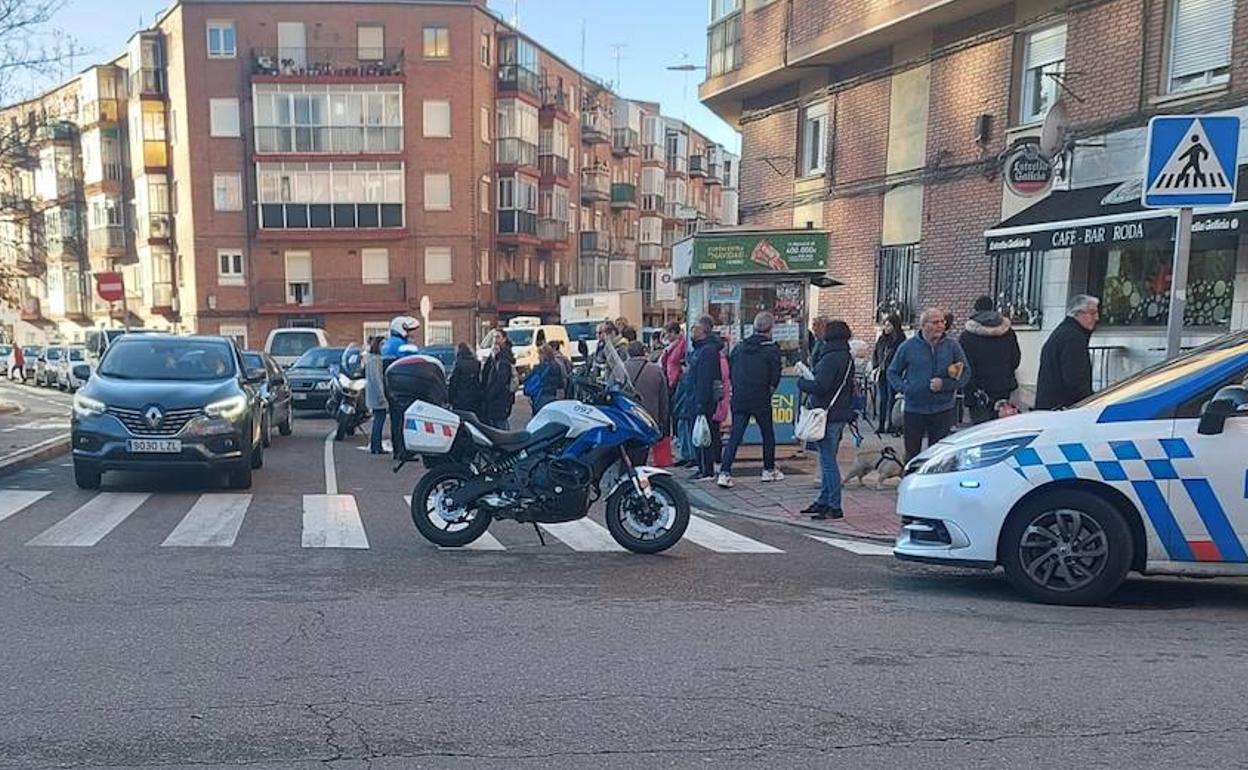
(875, 455)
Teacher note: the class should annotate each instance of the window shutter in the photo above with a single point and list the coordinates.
(438, 264)
(437, 118)
(376, 265)
(298, 267)
(1046, 46)
(1201, 39)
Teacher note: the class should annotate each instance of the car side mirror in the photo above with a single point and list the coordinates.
(82, 372)
(1218, 410)
(256, 376)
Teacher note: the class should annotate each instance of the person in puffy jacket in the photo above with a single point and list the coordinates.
(928, 370)
(755, 375)
(702, 400)
(991, 348)
(498, 376)
(831, 389)
(465, 384)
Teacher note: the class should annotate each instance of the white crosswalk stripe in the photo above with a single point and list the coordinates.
(856, 546)
(722, 540)
(213, 521)
(14, 500)
(583, 535)
(96, 518)
(332, 521)
(486, 542)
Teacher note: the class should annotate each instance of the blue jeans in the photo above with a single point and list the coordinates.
(379, 430)
(684, 439)
(829, 471)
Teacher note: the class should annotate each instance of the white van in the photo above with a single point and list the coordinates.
(286, 345)
(527, 334)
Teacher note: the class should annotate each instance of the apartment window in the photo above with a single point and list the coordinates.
(484, 193)
(227, 192)
(342, 120)
(897, 282)
(341, 195)
(376, 329)
(371, 42)
(485, 124)
(486, 45)
(1017, 282)
(223, 117)
(437, 42)
(723, 40)
(230, 267)
(437, 192)
(221, 42)
(437, 119)
(1200, 43)
(235, 332)
(439, 333)
(485, 266)
(1044, 60)
(375, 265)
(517, 205)
(438, 264)
(721, 8)
(814, 148)
(298, 277)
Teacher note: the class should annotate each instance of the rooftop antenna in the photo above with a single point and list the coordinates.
(582, 45)
(617, 52)
(515, 13)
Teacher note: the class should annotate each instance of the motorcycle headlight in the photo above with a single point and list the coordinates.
(229, 409)
(85, 406)
(975, 457)
(323, 385)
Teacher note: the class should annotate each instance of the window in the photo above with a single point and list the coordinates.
(341, 195)
(1017, 282)
(223, 117)
(437, 118)
(230, 267)
(221, 43)
(342, 120)
(814, 140)
(437, 42)
(486, 57)
(375, 329)
(227, 192)
(439, 333)
(1044, 61)
(375, 265)
(485, 266)
(721, 8)
(484, 193)
(299, 278)
(485, 124)
(235, 332)
(437, 192)
(723, 42)
(1200, 43)
(897, 282)
(1133, 283)
(438, 264)
(371, 42)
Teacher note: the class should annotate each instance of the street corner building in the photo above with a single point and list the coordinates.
(247, 165)
(954, 149)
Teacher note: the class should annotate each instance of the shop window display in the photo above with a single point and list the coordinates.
(1134, 286)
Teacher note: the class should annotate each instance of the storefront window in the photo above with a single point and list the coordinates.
(1134, 285)
(1017, 283)
(733, 306)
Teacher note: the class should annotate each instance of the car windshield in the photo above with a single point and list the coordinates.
(173, 359)
(1220, 350)
(32, 350)
(488, 340)
(520, 337)
(319, 358)
(77, 354)
(582, 330)
(54, 354)
(293, 343)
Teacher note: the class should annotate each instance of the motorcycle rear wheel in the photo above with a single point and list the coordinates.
(628, 522)
(432, 518)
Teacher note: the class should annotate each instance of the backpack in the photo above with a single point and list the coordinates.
(533, 385)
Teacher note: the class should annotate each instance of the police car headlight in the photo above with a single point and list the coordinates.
(975, 457)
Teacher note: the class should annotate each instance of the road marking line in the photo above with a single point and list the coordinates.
(14, 500)
(17, 455)
(332, 521)
(331, 476)
(486, 542)
(96, 518)
(721, 540)
(214, 520)
(583, 535)
(856, 546)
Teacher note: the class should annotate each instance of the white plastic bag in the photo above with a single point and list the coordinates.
(701, 432)
(811, 424)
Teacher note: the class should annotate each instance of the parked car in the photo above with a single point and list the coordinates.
(97, 341)
(444, 353)
(310, 377)
(46, 364)
(5, 350)
(274, 393)
(287, 345)
(65, 378)
(168, 404)
(32, 353)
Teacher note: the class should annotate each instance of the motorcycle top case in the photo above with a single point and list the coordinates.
(429, 429)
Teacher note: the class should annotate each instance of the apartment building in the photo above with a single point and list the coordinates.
(248, 164)
(911, 133)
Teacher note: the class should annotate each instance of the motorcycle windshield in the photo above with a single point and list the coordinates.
(352, 362)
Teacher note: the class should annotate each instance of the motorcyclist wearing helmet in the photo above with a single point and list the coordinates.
(403, 339)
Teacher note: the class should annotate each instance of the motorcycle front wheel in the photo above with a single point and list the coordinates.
(438, 523)
(648, 525)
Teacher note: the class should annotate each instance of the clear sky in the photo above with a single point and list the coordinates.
(653, 34)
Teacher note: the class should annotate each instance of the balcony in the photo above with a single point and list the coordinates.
(650, 253)
(148, 82)
(331, 295)
(697, 166)
(109, 240)
(515, 152)
(623, 246)
(595, 184)
(155, 154)
(556, 99)
(623, 196)
(553, 233)
(329, 140)
(14, 203)
(595, 126)
(32, 309)
(714, 173)
(625, 143)
(57, 131)
(595, 243)
(553, 167)
(514, 78)
(159, 228)
(74, 302)
(651, 203)
(517, 226)
(100, 111)
(517, 293)
(677, 165)
(163, 298)
(653, 154)
(327, 64)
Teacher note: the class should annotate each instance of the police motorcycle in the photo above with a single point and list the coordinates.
(570, 455)
(347, 392)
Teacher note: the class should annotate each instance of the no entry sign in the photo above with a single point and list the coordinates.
(110, 286)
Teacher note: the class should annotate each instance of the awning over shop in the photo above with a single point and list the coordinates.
(1111, 215)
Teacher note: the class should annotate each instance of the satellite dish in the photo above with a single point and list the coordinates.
(1053, 132)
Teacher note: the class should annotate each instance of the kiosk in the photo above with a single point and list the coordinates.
(733, 275)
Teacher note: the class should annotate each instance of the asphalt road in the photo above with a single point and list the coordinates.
(42, 415)
(120, 652)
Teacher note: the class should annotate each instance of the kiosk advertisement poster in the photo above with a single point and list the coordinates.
(760, 253)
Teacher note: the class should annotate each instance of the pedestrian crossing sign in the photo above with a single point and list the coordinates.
(1191, 161)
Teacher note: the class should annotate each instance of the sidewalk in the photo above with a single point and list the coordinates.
(868, 514)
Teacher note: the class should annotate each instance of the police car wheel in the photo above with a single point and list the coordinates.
(1066, 547)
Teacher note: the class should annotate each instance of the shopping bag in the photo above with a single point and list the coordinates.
(811, 424)
(661, 453)
(701, 432)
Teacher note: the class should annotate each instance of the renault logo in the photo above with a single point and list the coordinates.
(154, 416)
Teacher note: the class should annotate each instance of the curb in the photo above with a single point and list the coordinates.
(15, 461)
(704, 500)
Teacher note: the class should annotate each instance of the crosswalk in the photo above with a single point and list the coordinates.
(334, 521)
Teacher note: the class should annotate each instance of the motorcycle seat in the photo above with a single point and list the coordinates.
(513, 440)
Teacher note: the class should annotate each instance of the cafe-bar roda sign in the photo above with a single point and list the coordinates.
(1027, 171)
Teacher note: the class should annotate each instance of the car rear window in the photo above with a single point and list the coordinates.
(293, 343)
(168, 359)
(319, 358)
(54, 354)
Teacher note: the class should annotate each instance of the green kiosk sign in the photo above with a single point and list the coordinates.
(796, 252)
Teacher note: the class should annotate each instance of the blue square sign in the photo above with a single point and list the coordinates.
(1192, 161)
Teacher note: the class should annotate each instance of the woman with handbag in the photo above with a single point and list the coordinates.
(831, 391)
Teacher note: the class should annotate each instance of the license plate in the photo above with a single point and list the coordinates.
(154, 446)
(300, 396)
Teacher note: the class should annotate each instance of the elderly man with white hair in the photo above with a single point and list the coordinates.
(1065, 376)
(928, 369)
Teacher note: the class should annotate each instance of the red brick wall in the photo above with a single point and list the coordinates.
(773, 138)
(1109, 65)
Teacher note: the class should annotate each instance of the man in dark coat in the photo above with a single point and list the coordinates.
(1065, 376)
(498, 392)
(755, 372)
(991, 348)
(702, 401)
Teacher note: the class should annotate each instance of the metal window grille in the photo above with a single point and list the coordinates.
(1017, 284)
(897, 282)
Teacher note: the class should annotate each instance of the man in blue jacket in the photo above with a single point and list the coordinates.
(928, 369)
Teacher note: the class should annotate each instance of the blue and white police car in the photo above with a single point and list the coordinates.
(1149, 475)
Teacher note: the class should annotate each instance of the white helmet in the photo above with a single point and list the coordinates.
(403, 324)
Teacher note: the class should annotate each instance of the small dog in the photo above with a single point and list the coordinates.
(875, 455)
